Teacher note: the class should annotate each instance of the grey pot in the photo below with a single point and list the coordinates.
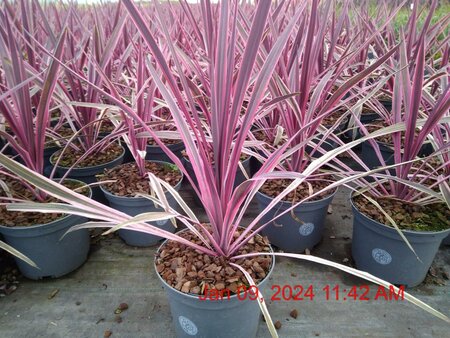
(43, 244)
(136, 205)
(226, 318)
(370, 158)
(379, 250)
(446, 240)
(87, 175)
(288, 233)
(155, 153)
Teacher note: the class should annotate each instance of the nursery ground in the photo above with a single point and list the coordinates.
(83, 303)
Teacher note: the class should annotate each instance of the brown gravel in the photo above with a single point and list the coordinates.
(273, 188)
(294, 314)
(330, 120)
(377, 125)
(129, 182)
(263, 136)
(64, 134)
(243, 156)
(407, 216)
(121, 308)
(70, 156)
(19, 191)
(152, 142)
(107, 127)
(190, 271)
(9, 274)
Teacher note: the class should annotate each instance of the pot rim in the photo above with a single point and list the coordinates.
(136, 197)
(412, 232)
(94, 166)
(196, 297)
(35, 226)
(167, 145)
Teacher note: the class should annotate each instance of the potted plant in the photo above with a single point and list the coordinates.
(302, 118)
(402, 219)
(217, 246)
(90, 150)
(36, 236)
(124, 184)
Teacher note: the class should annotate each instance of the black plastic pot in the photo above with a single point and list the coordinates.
(224, 318)
(48, 152)
(87, 174)
(294, 234)
(54, 255)
(155, 153)
(387, 104)
(328, 144)
(366, 118)
(370, 158)
(379, 250)
(137, 205)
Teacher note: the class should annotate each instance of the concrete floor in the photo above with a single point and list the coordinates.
(115, 273)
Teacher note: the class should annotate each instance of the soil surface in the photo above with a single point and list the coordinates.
(243, 156)
(9, 274)
(107, 127)
(387, 139)
(263, 136)
(273, 188)
(330, 120)
(165, 122)
(376, 125)
(190, 271)
(129, 182)
(19, 191)
(408, 216)
(166, 141)
(70, 156)
(64, 134)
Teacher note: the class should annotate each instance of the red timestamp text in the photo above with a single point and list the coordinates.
(337, 293)
(309, 293)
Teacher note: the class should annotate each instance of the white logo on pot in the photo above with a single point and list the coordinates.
(306, 229)
(162, 222)
(381, 256)
(188, 326)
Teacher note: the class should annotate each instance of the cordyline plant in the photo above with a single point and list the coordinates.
(139, 92)
(86, 53)
(416, 115)
(27, 123)
(224, 204)
(413, 33)
(412, 105)
(318, 81)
